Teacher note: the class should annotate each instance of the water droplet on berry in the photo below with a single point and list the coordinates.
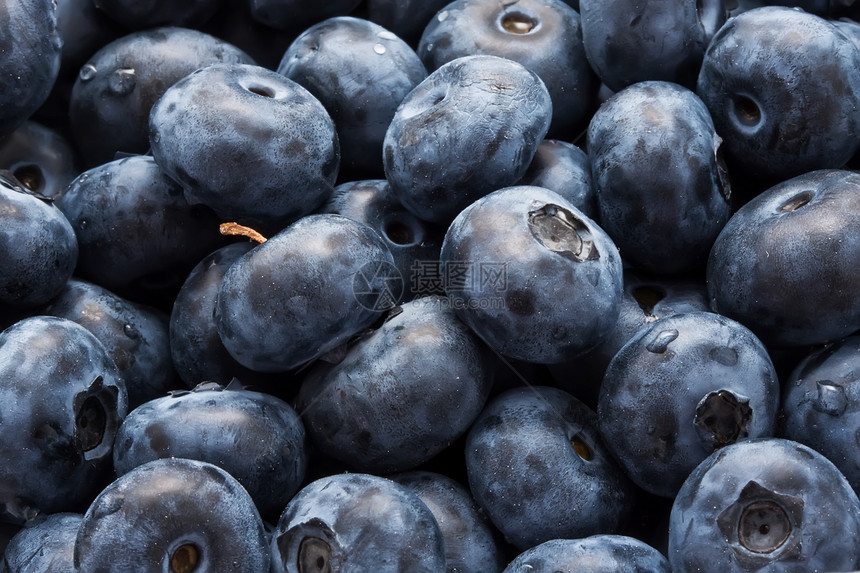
(123, 81)
(379, 49)
(130, 331)
(661, 342)
(386, 35)
(442, 16)
(88, 72)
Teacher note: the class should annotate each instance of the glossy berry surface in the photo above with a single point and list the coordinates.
(768, 504)
(533, 276)
(357, 522)
(475, 113)
(603, 553)
(172, 515)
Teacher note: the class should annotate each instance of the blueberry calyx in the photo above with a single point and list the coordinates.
(647, 297)
(185, 558)
(96, 420)
(562, 232)
(314, 556)
(796, 202)
(746, 112)
(581, 448)
(722, 418)
(762, 525)
(516, 22)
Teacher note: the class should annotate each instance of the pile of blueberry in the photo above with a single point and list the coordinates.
(400, 286)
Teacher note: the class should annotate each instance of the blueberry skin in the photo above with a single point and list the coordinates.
(821, 405)
(45, 546)
(247, 142)
(195, 346)
(135, 335)
(783, 88)
(412, 242)
(168, 515)
(628, 42)
(298, 14)
(785, 265)
(29, 59)
(302, 293)
(683, 387)
(141, 15)
(40, 158)
(162, 236)
(662, 189)
(765, 505)
(406, 18)
(357, 522)
(257, 438)
(403, 377)
(117, 87)
(472, 544)
(645, 299)
(61, 402)
(566, 169)
(561, 278)
(543, 35)
(471, 127)
(538, 468)
(38, 247)
(604, 553)
(360, 72)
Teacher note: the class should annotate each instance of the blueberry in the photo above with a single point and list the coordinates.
(538, 468)
(543, 35)
(472, 544)
(141, 15)
(821, 405)
(628, 41)
(414, 243)
(46, 545)
(162, 237)
(172, 515)
(360, 72)
(195, 346)
(533, 276)
(387, 405)
(30, 49)
(765, 505)
(604, 553)
(116, 88)
(61, 402)
(783, 88)
(681, 388)
(406, 18)
(304, 292)
(38, 246)
(566, 169)
(357, 522)
(135, 336)
(474, 115)
(645, 299)
(255, 437)
(785, 265)
(662, 189)
(298, 14)
(249, 143)
(40, 158)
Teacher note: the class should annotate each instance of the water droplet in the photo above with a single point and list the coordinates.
(56, 41)
(660, 343)
(429, 47)
(386, 35)
(155, 136)
(88, 72)
(831, 398)
(379, 48)
(122, 81)
(130, 331)
(442, 16)
(83, 223)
